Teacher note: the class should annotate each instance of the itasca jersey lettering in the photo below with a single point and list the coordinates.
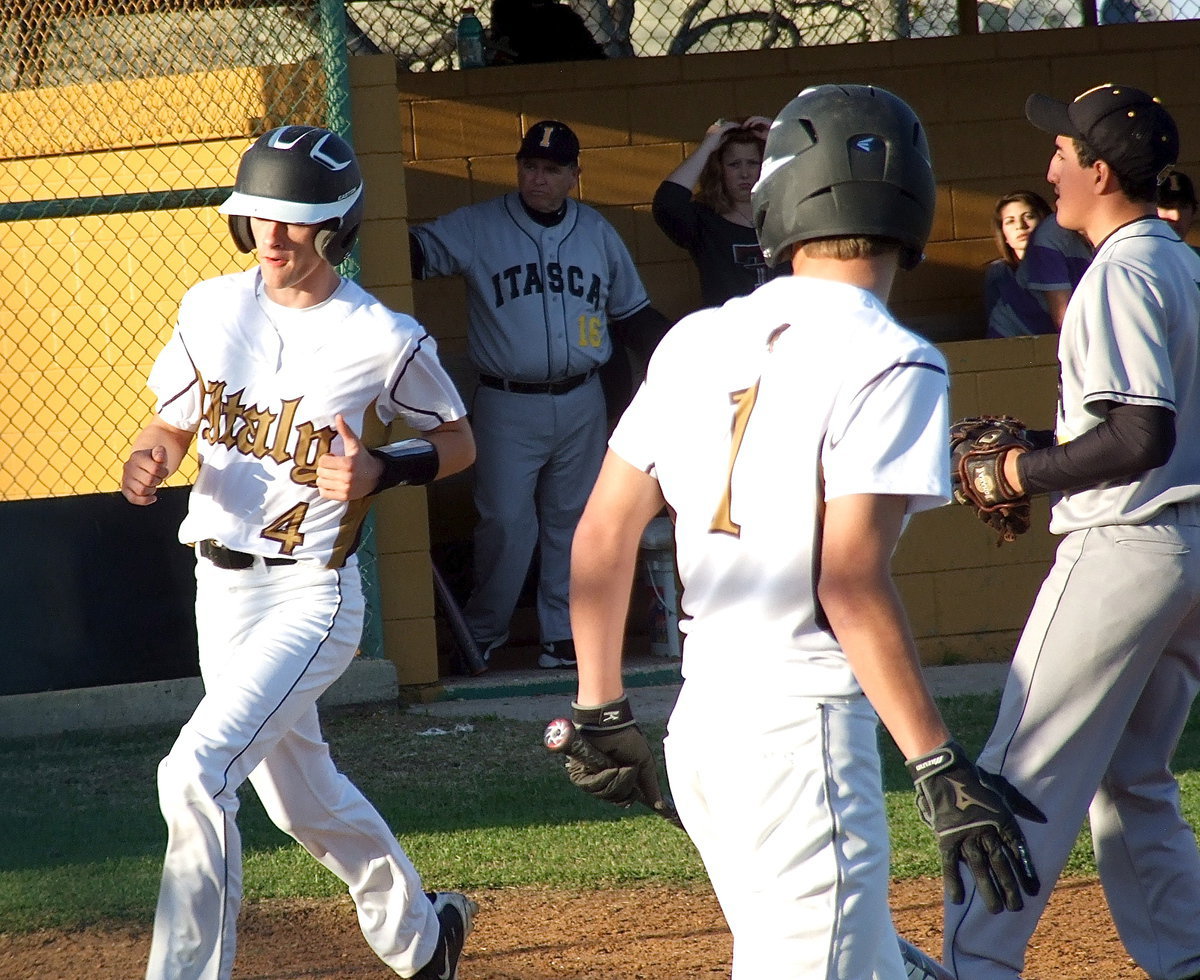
(261, 398)
(751, 417)
(540, 298)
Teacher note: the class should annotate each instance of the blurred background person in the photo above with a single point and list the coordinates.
(716, 224)
(1012, 310)
(1177, 203)
(1054, 262)
(530, 32)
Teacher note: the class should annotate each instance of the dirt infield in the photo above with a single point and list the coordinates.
(645, 933)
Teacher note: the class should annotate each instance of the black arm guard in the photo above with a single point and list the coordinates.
(408, 463)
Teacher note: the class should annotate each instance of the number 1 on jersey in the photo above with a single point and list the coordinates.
(743, 404)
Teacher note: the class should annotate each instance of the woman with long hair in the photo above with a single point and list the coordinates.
(716, 222)
(1013, 310)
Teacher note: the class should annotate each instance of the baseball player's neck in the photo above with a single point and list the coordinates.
(303, 287)
(1110, 213)
(875, 274)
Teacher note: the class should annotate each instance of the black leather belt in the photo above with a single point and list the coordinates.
(535, 387)
(224, 557)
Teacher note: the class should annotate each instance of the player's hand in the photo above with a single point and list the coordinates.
(144, 470)
(632, 775)
(350, 476)
(758, 124)
(973, 814)
(720, 128)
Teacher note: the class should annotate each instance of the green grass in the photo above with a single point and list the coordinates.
(81, 838)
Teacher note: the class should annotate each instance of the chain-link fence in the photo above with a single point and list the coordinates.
(121, 126)
(421, 35)
(121, 123)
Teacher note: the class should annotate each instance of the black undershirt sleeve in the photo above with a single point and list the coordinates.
(640, 331)
(416, 256)
(1130, 439)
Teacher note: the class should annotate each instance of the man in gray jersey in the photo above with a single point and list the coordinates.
(550, 285)
(1109, 662)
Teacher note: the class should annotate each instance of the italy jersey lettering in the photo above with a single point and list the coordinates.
(261, 433)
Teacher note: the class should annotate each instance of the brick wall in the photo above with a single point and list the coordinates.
(637, 120)
(967, 599)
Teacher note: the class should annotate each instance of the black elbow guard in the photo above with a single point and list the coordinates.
(408, 463)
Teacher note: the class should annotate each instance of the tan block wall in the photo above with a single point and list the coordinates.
(401, 515)
(967, 598)
(637, 119)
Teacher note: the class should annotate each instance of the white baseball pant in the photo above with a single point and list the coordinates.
(271, 640)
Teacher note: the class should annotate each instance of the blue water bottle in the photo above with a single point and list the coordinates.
(470, 40)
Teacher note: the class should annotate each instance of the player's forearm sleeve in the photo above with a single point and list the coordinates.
(416, 256)
(1131, 439)
(641, 331)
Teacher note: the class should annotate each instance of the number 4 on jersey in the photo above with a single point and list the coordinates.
(286, 529)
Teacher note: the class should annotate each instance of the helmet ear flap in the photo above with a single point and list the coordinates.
(239, 227)
(338, 235)
(334, 241)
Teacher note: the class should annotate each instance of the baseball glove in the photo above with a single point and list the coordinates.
(978, 447)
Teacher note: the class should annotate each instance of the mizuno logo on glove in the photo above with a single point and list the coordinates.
(963, 799)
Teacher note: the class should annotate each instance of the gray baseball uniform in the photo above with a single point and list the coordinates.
(1109, 663)
(540, 301)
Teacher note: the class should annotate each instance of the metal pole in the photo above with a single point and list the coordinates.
(968, 16)
(335, 61)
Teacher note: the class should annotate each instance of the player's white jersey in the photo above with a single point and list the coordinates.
(539, 298)
(751, 416)
(1131, 336)
(260, 385)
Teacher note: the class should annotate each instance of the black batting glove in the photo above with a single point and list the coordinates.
(632, 776)
(973, 814)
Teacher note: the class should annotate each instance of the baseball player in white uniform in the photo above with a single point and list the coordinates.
(1108, 665)
(790, 434)
(272, 373)
(549, 283)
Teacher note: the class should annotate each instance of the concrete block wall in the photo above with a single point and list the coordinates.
(967, 598)
(401, 515)
(636, 119)
(967, 595)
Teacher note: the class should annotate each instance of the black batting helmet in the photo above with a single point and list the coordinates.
(301, 175)
(845, 160)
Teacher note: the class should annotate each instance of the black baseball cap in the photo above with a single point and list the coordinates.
(1129, 129)
(550, 140)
